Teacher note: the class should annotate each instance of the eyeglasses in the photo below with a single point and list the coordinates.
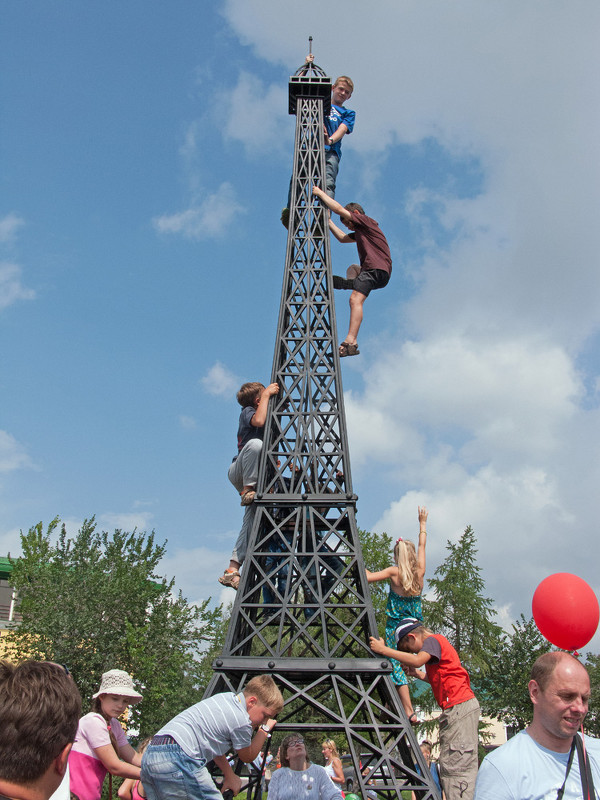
(294, 742)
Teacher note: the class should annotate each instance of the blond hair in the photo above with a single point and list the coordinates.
(332, 746)
(405, 557)
(264, 688)
(345, 79)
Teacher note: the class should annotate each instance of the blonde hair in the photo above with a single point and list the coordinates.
(332, 746)
(264, 688)
(405, 557)
(345, 79)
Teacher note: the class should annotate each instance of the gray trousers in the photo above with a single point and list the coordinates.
(459, 739)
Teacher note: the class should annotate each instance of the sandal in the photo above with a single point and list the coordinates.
(248, 497)
(230, 578)
(414, 720)
(347, 349)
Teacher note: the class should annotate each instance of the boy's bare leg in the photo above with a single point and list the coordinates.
(357, 300)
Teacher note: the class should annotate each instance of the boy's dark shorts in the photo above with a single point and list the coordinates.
(369, 279)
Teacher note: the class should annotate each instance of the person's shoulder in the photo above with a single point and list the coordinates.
(92, 720)
(516, 744)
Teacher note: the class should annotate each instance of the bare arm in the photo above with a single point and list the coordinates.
(127, 753)
(126, 788)
(410, 659)
(339, 234)
(260, 415)
(338, 134)
(382, 575)
(423, 513)
(332, 204)
(230, 779)
(338, 772)
(248, 754)
(113, 763)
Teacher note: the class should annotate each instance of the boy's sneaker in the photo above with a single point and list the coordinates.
(342, 283)
(285, 217)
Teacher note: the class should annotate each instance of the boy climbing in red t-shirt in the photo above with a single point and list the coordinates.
(418, 647)
(375, 262)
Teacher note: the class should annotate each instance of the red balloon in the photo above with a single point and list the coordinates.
(566, 610)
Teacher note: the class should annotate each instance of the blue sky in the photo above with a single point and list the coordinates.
(146, 150)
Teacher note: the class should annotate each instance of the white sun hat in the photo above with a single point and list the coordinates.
(117, 681)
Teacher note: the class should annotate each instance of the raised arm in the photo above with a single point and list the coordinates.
(423, 513)
(332, 204)
(260, 415)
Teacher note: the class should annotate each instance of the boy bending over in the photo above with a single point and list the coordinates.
(174, 764)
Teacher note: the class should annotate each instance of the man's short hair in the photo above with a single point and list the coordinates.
(544, 666)
(40, 708)
(248, 393)
(345, 79)
(355, 207)
(264, 688)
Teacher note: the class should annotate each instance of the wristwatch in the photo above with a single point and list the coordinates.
(265, 728)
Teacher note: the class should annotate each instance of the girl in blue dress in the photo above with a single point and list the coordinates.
(406, 586)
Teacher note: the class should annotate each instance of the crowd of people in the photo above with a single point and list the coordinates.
(48, 750)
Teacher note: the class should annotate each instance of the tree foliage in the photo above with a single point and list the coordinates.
(95, 602)
(459, 609)
(377, 554)
(503, 690)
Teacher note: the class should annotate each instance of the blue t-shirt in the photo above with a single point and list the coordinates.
(522, 769)
(337, 116)
(246, 430)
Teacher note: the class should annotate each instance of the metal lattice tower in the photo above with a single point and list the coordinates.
(303, 610)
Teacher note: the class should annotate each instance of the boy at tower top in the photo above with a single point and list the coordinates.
(338, 123)
(375, 262)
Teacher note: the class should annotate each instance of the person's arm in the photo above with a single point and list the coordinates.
(338, 772)
(339, 234)
(423, 513)
(338, 134)
(332, 204)
(230, 779)
(127, 753)
(248, 754)
(260, 415)
(410, 659)
(126, 789)
(382, 575)
(108, 756)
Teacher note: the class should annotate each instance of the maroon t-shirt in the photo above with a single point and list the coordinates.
(373, 249)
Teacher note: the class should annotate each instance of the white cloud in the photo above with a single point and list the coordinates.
(9, 225)
(11, 288)
(197, 570)
(256, 115)
(13, 454)
(188, 423)
(220, 381)
(126, 521)
(209, 218)
(476, 397)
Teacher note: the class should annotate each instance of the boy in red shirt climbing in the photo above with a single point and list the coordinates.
(418, 647)
(375, 262)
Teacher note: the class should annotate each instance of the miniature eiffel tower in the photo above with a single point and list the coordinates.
(303, 611)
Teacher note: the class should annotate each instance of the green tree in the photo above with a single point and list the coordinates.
(459, 609)
(503, 690)
(95, 602)
(377, 552)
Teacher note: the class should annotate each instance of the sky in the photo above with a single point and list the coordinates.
(146, 149)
